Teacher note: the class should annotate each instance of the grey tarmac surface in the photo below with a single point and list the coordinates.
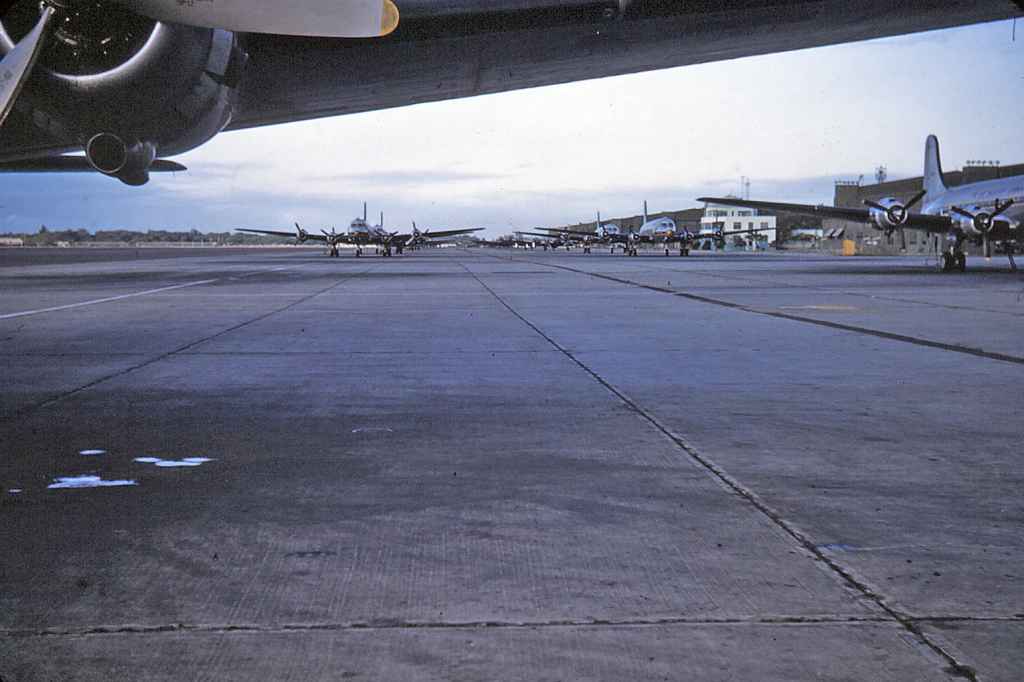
(483, 464)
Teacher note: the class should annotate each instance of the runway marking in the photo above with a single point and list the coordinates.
(87, 482)
(18, 414)
(823, 307)
(170, 463)
(108, 299)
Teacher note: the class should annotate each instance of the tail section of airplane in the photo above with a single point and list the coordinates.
(645, 213)
(933, 182)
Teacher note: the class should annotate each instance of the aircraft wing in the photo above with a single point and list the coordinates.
(446, 49)
(580, 233)
(915, 221)
(278, 233)
(439, 234)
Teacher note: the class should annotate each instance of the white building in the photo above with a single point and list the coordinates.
(730, 218)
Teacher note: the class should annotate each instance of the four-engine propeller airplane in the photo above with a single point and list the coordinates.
(979, 212)
(361, 234)
(130, 82)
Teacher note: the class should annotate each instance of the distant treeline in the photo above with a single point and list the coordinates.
(48, 237)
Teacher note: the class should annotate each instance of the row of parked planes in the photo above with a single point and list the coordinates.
(362, 235)
(983, 213)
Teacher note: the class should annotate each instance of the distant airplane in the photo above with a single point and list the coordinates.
(979, 212)
(361, 234)
(657, 231)
(126, 83)
(424, 238)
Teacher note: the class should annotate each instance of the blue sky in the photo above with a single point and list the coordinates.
(791, 122)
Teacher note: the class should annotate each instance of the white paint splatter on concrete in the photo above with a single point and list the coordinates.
(167, 463)
(15, 491)
(372, 429)
(87, 482)
(92, 453)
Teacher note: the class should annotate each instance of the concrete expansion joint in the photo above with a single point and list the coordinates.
(21, 413)
(917, 341)
(395, 624)
(859, 587)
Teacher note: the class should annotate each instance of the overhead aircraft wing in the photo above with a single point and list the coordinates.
(75, 164)
(915, 221)
(445, 49)
(278, 233)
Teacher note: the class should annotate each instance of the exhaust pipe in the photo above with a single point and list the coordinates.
(128, 162)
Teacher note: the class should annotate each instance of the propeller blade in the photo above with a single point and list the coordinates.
(325, 18)
(1000, 208)
(874, 204)
(903, 240)
(914, 199)
(961, 212)
(17, 65)
(987, 246)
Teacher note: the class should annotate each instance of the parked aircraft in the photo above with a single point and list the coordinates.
(661, 230)
(130, 82)
(361, 234)
(424, 238)
(979, 212)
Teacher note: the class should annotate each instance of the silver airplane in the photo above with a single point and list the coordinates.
(424, 238)
(978, 212)
(361, 234)
(131, 82)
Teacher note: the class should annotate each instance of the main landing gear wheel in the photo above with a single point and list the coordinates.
(666, 250)
(684, 252)
(359, 252)
(950, 262)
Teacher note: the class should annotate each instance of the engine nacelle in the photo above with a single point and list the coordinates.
(127, 161)
(126, 87)
(971, 225)
(890, 216)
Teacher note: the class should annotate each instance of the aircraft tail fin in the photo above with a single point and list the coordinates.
(933, 182)
(645, 211)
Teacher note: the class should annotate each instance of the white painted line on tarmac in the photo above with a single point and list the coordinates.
(69, 306)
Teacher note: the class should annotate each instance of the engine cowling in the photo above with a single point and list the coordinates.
(127, 85)
(889, 214)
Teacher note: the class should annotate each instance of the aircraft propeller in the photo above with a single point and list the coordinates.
(984, 222)
(324, 18)
(897, 214)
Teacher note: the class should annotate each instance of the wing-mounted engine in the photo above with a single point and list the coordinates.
(890, 214)
(125, 87)
(130, 80)
(979, 220)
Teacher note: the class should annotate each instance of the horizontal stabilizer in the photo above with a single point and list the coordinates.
(75, 164)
